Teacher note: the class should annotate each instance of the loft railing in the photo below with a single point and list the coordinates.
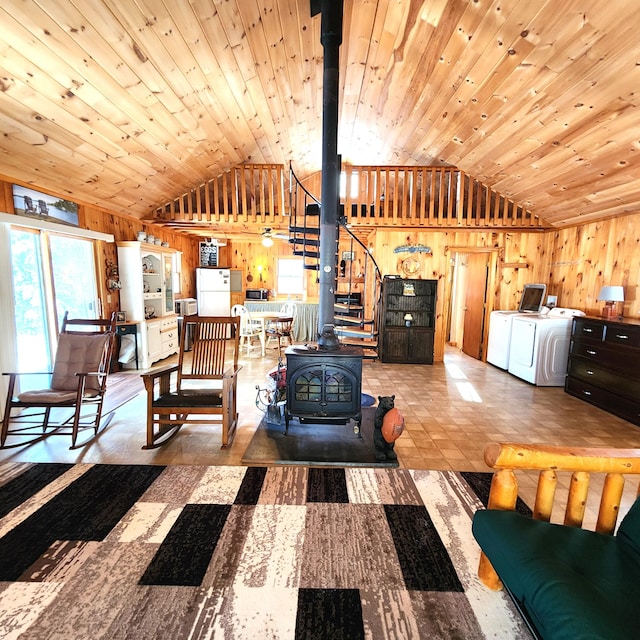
(434, 197)
(246, 193)
(427, 197)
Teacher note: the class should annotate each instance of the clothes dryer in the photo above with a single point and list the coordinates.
(539, 347)
(499, 343)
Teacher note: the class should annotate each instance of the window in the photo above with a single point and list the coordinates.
(354, 185)
(290, 276)
(51, 274)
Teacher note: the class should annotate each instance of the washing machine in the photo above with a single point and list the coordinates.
(539, 347)
(499, 342)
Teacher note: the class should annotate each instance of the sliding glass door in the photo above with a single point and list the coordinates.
(32, 331)
(74, 278)
(51, 274)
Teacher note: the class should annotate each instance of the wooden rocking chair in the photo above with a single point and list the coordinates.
(78, 381)
(203, 383)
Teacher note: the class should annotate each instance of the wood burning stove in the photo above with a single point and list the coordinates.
(324, 385)
(324, 381)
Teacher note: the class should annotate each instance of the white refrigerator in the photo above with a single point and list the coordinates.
(214, 287)
(213, 291)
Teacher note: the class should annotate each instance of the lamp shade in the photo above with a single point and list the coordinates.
(611, 294)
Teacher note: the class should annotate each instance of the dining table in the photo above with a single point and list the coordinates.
(305, 326)
(266, 317)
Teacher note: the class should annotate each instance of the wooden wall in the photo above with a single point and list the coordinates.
(574, 262)
(515, 248)
(123, 228)
(584, 258)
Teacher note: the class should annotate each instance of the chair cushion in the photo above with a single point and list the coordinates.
(47, 396)
(186, 399)
(78, 354)
(573, 583)
(629, 530)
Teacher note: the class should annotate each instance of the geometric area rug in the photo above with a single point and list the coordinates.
(286, 552)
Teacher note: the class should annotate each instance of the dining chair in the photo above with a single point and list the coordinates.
(281, 329)
(250, 327)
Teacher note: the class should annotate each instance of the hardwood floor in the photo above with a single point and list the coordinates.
(452, 411)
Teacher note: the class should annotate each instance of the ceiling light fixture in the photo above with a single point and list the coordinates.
(267, 240)
(216, 242)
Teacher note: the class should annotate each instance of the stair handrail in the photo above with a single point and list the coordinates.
(292, 174)
(377, 291)
(342, 223)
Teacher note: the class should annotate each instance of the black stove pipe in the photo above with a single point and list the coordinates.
(331, 39)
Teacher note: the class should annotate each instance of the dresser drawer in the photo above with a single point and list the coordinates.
(127, 329)
(588, 329)
(606, 355)
(170, 345)
(603, 378)
(169, 334)
(622, 335)
(625, 408)
(167, 324)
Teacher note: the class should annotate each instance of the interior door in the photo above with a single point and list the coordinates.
(475, 297)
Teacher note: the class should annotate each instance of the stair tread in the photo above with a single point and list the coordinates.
(371, 343)
(347, 321)
(347, 307)
(354, 332)
(307, 242)
(310, 231)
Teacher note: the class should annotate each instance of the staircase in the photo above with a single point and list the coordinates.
(356, 313)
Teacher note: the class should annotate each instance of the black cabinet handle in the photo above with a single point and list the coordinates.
(586, 393)
(589, 372)
(592, 353)
(586, 330)
(622, 336)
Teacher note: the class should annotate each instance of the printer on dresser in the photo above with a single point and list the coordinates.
(604, 365)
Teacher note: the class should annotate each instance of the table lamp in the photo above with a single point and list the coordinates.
(611, 295)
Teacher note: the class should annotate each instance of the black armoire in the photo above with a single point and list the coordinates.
(408, 320)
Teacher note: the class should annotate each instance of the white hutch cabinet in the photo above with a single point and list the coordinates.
(146, 295)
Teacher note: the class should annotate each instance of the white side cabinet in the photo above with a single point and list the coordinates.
(146, 295)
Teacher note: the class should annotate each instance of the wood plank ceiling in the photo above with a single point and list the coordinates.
(127, 104)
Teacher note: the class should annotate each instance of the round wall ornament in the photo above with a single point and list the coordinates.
(410, 266)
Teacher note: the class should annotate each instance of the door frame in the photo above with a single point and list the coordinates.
(495, 254)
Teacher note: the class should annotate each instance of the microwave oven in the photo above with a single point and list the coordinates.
(186, 306)
(257, 294)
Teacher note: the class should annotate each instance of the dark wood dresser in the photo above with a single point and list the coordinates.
(604, 365)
